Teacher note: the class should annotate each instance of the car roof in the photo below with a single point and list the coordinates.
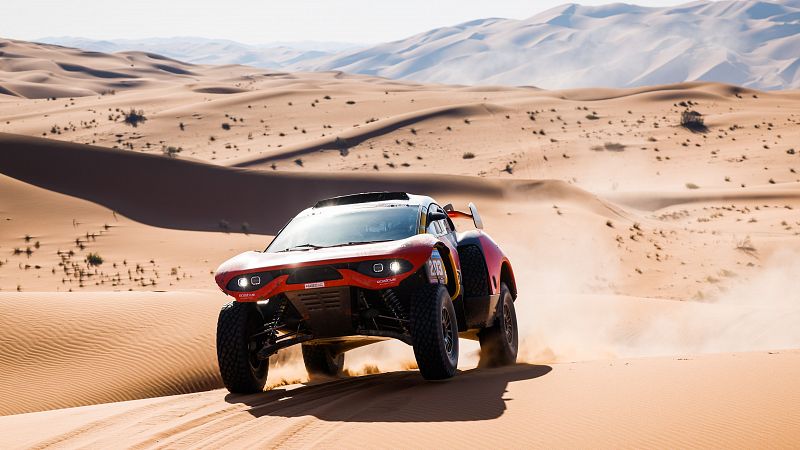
(374, 197)
(368, 200)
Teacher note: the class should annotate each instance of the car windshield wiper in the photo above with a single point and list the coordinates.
(344, 244)
(299, 246)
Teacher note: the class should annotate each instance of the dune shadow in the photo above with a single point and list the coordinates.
(189, 195)
(472, 395)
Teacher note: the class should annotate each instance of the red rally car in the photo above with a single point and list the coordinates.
(358, 269)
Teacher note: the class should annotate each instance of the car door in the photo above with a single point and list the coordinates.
(443, 228)
(446, 232)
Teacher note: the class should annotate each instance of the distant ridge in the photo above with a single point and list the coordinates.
(750, 43)
(198, 50)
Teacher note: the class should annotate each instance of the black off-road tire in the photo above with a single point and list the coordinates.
(242, 372)
(500, 342)
(434, 332)
(322, 362)
(473, 271)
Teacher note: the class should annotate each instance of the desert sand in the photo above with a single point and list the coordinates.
(657, 265)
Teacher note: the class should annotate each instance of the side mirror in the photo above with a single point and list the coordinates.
(476, 218)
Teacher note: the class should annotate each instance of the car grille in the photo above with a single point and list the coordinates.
(326, 312)
(320, 299)
(313, 275)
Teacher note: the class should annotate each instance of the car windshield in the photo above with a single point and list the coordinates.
(330, 227)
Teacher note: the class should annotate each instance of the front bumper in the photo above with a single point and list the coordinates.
(290, 283)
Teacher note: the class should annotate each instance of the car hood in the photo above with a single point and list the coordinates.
(415, 248)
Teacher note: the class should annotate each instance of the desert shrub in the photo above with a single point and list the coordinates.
(468, 155)
(226, 126)
(94, 259)
(134, 117)
(692, 120)
(171, 151)
(692, 186)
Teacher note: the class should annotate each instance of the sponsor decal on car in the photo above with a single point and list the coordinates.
(387, 280)
(435, 268)
(314, 285)
(246, 294)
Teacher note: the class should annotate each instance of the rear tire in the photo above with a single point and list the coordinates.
(500, 342)
(434, 332)
(321, 361)
(242, 372)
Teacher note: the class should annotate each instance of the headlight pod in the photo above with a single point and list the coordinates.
(382, 268)
(249, 281)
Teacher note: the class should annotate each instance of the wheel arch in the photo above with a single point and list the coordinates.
(453, 280)
(507, 277)
(497, 263)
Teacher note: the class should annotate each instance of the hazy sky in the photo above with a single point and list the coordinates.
(257, 21)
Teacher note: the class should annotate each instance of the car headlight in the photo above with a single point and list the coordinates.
(384, 268)
(249, 281)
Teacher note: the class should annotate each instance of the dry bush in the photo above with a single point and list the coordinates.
(692, 120)
(134, 117)
(171, 151)
(93, 259)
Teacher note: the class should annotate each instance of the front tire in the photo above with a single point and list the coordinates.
(500, 342)
(434, 332)
(242, 371)
(321, 361)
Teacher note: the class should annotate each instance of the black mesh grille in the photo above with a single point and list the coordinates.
(313, 275)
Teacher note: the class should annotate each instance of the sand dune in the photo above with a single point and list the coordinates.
(68, 72)
(168, 184)
(630, 235)
(69, 349)
(343, 141)
(533, 405)
(334, 122)
(574, 251)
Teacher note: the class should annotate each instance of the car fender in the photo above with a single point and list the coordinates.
(497, 263)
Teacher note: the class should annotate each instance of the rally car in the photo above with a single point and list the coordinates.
(358, 269)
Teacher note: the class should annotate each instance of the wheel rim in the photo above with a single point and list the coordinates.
(508, 320)
(447, 332)
(255, 363)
